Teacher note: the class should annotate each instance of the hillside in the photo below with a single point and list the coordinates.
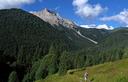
(25, 38)
(118, 37)
(20, 29)
(107, 72)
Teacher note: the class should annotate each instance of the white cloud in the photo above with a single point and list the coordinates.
(84, 9)
(14, 3)
(103, 26)
(122, 17)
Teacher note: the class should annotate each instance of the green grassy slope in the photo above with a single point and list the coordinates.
(108, 72)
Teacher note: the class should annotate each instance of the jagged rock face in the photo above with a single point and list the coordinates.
(54, 19)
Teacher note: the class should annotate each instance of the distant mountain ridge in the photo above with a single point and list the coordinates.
(73, 31)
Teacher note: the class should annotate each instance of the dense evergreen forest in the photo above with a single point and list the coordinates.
(31, 49)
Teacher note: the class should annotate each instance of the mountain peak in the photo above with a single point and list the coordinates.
(54, 18)
(47, 11)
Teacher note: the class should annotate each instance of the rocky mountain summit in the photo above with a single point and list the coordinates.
(54, 18)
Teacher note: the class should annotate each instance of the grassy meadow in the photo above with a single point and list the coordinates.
(108, 72)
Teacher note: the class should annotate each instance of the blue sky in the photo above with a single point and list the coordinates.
(111, 12)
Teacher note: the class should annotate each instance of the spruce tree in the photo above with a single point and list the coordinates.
(13, 77)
